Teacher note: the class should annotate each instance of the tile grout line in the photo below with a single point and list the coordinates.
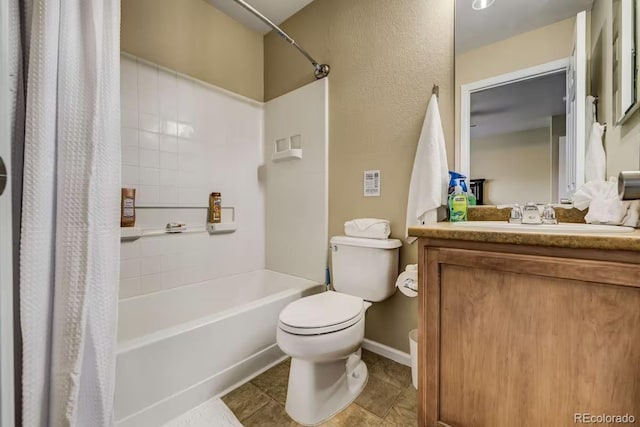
(258, 408)
(272, 400)
(367, 411)
(392, 404)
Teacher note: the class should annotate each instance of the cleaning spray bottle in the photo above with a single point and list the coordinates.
(458, 204)
(458, 201)
(456, 178)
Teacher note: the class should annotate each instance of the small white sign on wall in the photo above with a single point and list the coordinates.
(372, 183)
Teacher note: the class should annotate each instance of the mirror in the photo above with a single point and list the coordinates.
(524, 86)
(626, 91)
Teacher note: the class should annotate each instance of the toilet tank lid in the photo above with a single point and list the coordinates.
(366, 243)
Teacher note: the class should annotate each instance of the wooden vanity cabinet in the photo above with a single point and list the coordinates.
(513, 335)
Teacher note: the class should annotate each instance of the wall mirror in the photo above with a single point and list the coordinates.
(525, 92)
(626, 90)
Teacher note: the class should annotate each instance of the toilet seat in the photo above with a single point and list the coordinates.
(322, 314)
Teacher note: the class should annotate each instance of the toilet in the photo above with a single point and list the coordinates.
(323, 333)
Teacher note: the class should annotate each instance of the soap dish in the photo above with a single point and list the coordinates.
(221, 227)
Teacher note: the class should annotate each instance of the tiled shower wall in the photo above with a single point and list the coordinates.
(181, 140)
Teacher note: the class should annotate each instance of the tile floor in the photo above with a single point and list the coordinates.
(388, 400)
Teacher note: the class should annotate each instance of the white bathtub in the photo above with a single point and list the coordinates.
(180, 347)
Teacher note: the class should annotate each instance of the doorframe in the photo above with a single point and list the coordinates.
(463, 147)
(7, 408)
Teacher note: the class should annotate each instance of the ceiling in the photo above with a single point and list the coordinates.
(507, 18)
(276, 10)
(519, 106)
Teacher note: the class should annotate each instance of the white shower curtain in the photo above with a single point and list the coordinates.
(69, 246)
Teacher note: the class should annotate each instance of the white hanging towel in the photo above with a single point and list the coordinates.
(595, 158)
(371, 228)
(430, 175)
(590, 114)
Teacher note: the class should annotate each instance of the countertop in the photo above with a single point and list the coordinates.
(446, 230)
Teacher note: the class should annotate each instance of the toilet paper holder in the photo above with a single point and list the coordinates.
(629, 185)
(409, 283)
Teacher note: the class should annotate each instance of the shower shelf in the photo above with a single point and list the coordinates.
(222, 227)
(294, 153)
(130, 233)
(134, 233)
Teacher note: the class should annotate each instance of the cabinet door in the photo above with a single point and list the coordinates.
(528, 340)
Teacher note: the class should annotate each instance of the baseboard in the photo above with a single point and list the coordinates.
(388, 352)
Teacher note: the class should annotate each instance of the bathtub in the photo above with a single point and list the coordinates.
(179, 347)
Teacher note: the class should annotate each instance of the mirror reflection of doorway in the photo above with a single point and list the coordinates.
(515, 131)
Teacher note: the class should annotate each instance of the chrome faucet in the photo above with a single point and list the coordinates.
(549, 215)
(531, 214)
(516, 214)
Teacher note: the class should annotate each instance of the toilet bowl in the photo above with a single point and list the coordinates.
(323, 333)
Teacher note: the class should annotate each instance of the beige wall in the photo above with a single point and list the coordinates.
(622, 142)
(525, 50)
(384, 57)
(517, 166)
(194, 38)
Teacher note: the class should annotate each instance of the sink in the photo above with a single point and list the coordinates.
(563, 228)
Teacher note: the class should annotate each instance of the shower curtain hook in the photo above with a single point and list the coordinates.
(436, 91)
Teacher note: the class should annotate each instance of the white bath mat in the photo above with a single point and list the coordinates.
(212, 413)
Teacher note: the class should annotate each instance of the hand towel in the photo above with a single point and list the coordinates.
(371, 228)
(590, 114)
(595, 158)
(632, 218)
(601, 197)
(430, 175)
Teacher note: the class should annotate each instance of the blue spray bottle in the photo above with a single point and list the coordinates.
(456, 178)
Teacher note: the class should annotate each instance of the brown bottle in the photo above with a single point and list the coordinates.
(215, 207)
(128, 207)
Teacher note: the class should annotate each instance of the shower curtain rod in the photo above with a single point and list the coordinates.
(320, 70)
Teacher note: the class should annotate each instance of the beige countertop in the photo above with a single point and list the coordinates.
(446, 230)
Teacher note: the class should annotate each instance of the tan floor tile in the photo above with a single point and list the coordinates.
(245, 400)
(274, 382)
(354, 416)
(270, 415)
(404, 412)
(261, 402)
(391, 372)
(369, 357)
(378, 396)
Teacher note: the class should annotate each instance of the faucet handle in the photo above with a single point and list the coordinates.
(549, 215)
(516, 214)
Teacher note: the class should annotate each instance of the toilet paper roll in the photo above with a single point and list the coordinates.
(407, 283)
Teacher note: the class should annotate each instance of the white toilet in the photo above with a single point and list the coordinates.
(323, 333)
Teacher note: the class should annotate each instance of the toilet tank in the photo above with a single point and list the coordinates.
(366, 268)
